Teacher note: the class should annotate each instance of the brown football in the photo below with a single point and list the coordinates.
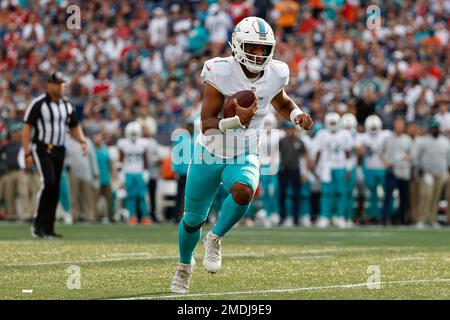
(245, 99)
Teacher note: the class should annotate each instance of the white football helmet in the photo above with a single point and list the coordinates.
(373, 124)
(151, 125)
(349, 121)
(133, 130)
(252, 30)
(332, 121)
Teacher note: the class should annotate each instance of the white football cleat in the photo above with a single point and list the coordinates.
(339, 222)
(274, 219)
(68, 219)
(182, 277)
(213, 256)
(420, 226)
(323, 222)
(267, 223)
(306, 221)
(260, 218)
(288, 222)
(436, 225)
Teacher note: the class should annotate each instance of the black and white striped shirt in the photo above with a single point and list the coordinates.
(50, 119)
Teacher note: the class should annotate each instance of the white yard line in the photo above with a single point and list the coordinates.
(128, 254)
(136, 256)
(283, 233)
(352, 249)
(406, 258)
(344, 286)
(124, 258)
(310, 257)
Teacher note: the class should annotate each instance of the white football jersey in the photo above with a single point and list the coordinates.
(307, 141)
(269, 151)
(354, 139)
(372, 144)
(227, 76)
(133, 154)
(332, 147)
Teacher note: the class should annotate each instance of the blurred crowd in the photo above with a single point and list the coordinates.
(141, 60)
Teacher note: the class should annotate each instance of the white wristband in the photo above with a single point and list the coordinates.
(230, 123)
(295, 113)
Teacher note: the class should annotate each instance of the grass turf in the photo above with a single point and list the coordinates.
(117, 261)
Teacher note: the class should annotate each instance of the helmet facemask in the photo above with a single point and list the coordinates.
(250, 61)
(333, 126)
(374, 129)
(332, 122)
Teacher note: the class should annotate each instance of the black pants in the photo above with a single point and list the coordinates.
(392, 182)
(288, 177)
(181, 185)
(152, 183)
(50, 164)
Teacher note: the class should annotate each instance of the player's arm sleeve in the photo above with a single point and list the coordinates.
(282, 71)
(120, 145)
(349, 143)
(73, 121)
(31, 114)
(318, 141)
(208, 75)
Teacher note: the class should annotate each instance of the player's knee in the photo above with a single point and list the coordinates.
(192, 222)
(242, 193)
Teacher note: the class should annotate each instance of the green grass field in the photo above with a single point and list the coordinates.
(117, 261)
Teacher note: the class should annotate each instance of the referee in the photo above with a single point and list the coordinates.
(43, 137)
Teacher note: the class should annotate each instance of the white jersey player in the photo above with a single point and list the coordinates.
(227, 149)
(134, 161)
(334, 146)
(227, 77)
(349, 123)
(371, 142)
(369, 145)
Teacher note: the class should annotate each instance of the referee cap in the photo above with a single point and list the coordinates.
(56, 77)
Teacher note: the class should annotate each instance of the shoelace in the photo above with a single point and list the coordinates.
(215, 254)
(182, 276)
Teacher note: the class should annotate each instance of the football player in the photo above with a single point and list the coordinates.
(133, 158)
(350, 123)
(333, 149)
(306, 179)
(216, 158)
(369, 146)
(269, 160)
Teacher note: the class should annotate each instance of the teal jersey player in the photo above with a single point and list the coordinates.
(226, 149)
